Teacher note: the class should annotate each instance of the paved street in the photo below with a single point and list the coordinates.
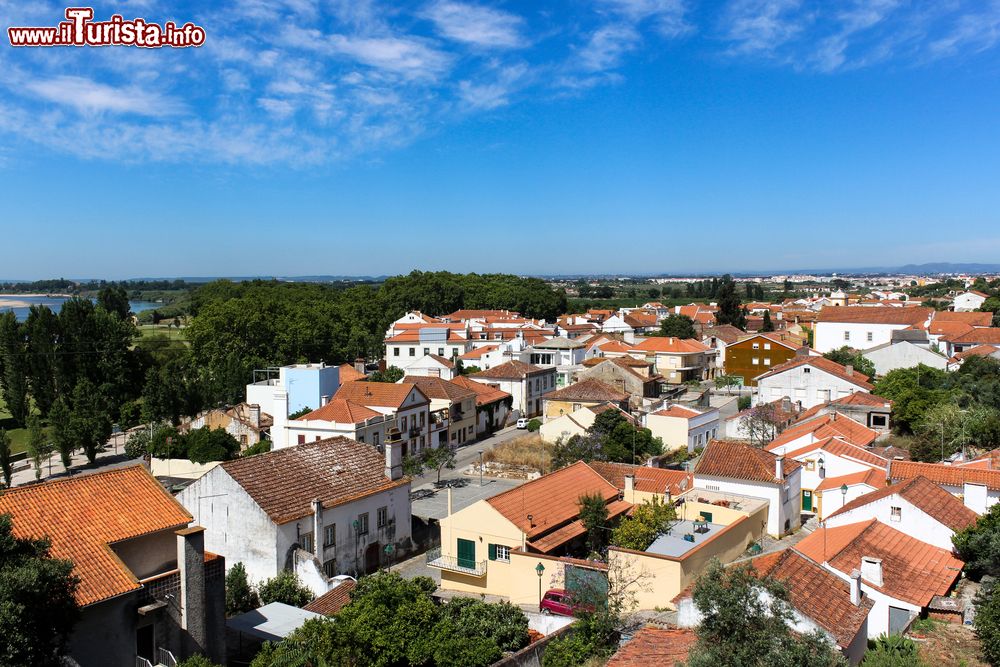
(111, 456)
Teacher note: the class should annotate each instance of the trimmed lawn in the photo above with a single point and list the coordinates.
(18, 436)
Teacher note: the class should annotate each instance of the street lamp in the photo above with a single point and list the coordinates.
(843, 495)
(480, 467)
(539, 569)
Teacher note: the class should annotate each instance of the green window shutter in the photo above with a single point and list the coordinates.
(493, 551)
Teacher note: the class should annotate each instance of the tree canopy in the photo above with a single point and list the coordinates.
(677, 326)
(847, 356)
(612, 437)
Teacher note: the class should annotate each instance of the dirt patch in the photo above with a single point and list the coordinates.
(948, 644)
(527, 451)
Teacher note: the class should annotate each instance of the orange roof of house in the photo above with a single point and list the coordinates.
(735, 460)
(990, 335)
(988, 461)
(670, 344)
(382, 394)
(511, 370)
(944, 474)
(977, 351)
(551, 500)
(413, 336)
(832, 367)
(478, 352)
(333, 600)
(349, 373)
(835, 446)
(863, 398)
(912, 571)
(826, 426)
(816, 593)
(84, 515)
(435, 387)
(875, 314)
(871, 477)
(341, 411)
(655, 647)
(975, 319)
(647, 480)
(553, 540)
(485, 394)
(779, 339)
(639, 318)
(678, 411)
(727, 333)
(924, 494)
(587, 390)
(283, 482)
(947, 328)
(614, 346)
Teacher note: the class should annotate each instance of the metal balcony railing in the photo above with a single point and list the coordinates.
(142, 662)
(165, 658)
(452, 564)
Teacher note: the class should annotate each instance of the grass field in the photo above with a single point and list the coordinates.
(18, 436)
(171, 332)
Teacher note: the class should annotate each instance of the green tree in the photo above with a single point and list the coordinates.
(730, 305)
(594, 517)
(138, 444)
(987, 622)
(534, 425)
(285, 587)
(892, 651)
(42, 333)
(437, 459)
(392, 374)
(240, 595)
(89, 423)
(14, 367)
(197, 660)
(677, 326)
(502, 622)
(114, 299)
(60, 422)
(979, 544)
(767, 324)
(38, 445)
(647, 522)
(37, 604)
(203, 445)
(846, 356)
(746, 620)
(6, 464)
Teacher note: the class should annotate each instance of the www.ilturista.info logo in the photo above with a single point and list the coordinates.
(81, 30)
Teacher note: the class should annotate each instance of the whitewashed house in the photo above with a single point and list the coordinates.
(979, 488)
(969, 301)
(320, 509)
(903, 354)
(810, 381)
(680, 427)
(526, 384)
(836, 492)
(864, 327)
(431, 365)
(305, 386)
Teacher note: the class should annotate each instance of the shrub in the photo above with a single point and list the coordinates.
(987, 623)
(534, 425)
(892, 651)
(287, 588)
(743, 403)
(240, 595)
(568, 651)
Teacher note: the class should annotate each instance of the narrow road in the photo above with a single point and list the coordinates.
(467, 454)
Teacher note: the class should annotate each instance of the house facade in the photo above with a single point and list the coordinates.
(583, 394)
(810, 381)
(969, 301)
(684, 428)
(305, 386)
(678, 360)
(525, 383)
(750, 356)
(864, 327)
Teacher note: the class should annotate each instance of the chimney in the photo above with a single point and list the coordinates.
(323, 400)
(779, 467)
(393, 459)
(849, 369)
(191, 566)
(786, 405)
(317, 508)
(855, 583)
(255, 415)
(279, 428)
(630, 488)
(871, 570)
(359, 365)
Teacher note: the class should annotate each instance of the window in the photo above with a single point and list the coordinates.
(423, 419)
(767, 361)
(361, 438)
(440, 351)
(306, 542)
(403, 426)
(382, 517)
(756, 361)
(427, 350)
(499, 552)
(810, 465)
(395, 351)
(363, 524)
(869, 336)
(896, 514)
(756, 346)
(301, 439)
(807, 370)
(767, 346)
(413, 351)
(375, 440)
(454, 352)
(330, 568)
(330, 535)
(847, 335)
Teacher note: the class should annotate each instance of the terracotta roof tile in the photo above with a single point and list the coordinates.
(912, 571)
(485, 394)
(669, 344)
(678, 411)
(333, 600)
(511, 370)
(551, 499)
(725, 458)
(816, 593)
(944, 474)
(875, 314)
(925, 495)
(862, 398)
(655, 647)
(435, 387)
(478, 352)
(822, 363)
(835, 446)
(727, 333)
(587, 390)
(871, 477)
(381, 394)
(977, 351)
(826, 426)
(341, 411)
(989, 335)
(973, 319)
(85, 514)
(349, 373)
(470, 313)
(337, 470)
(647, 480)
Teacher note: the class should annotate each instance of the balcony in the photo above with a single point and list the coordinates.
(452, 564)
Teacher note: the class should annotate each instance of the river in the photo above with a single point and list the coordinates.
(20, 303)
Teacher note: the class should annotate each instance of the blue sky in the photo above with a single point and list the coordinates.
(356, 137)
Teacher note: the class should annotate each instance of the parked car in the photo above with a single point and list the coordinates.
(559, 601)
(523, 422)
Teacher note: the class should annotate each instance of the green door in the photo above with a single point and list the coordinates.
(466, 553)
(807, 501)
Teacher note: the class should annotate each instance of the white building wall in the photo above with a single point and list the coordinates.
(968, 302)
(831, 335)
(806, 384)
(912, 521)
(878, 617)
(831, 500)
(904, 355)
(782, 506)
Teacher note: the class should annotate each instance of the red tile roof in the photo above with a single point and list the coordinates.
(875, 314)
(551, 500)
(826, 426)
(647, 480)
(435, 387)
(912, 571)
(837, 447)
(735, 460)
(333, 600)
(670, 345)
(478, 352)
(614, 346)
(678, 411)
(341, 411)
(470, 313)
(944, 474)
(816, 593)
(977, 351)
(413, 336)
(587, 390)
(862, 398)
(989, 335)
(727, 333)
(872, 477)
(381, 394)
(824, 364)
(84, 515)
(337, 470)
(485, 394)
(655, 647)
(551, 541)
(927, 496)
(511, 370)
(349, 373)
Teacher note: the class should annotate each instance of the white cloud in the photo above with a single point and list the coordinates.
(606, 47)
(761, 26)
(88, 96)
(475, 24)
(667, 16)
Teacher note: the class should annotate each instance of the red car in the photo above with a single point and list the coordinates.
(559, 601)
